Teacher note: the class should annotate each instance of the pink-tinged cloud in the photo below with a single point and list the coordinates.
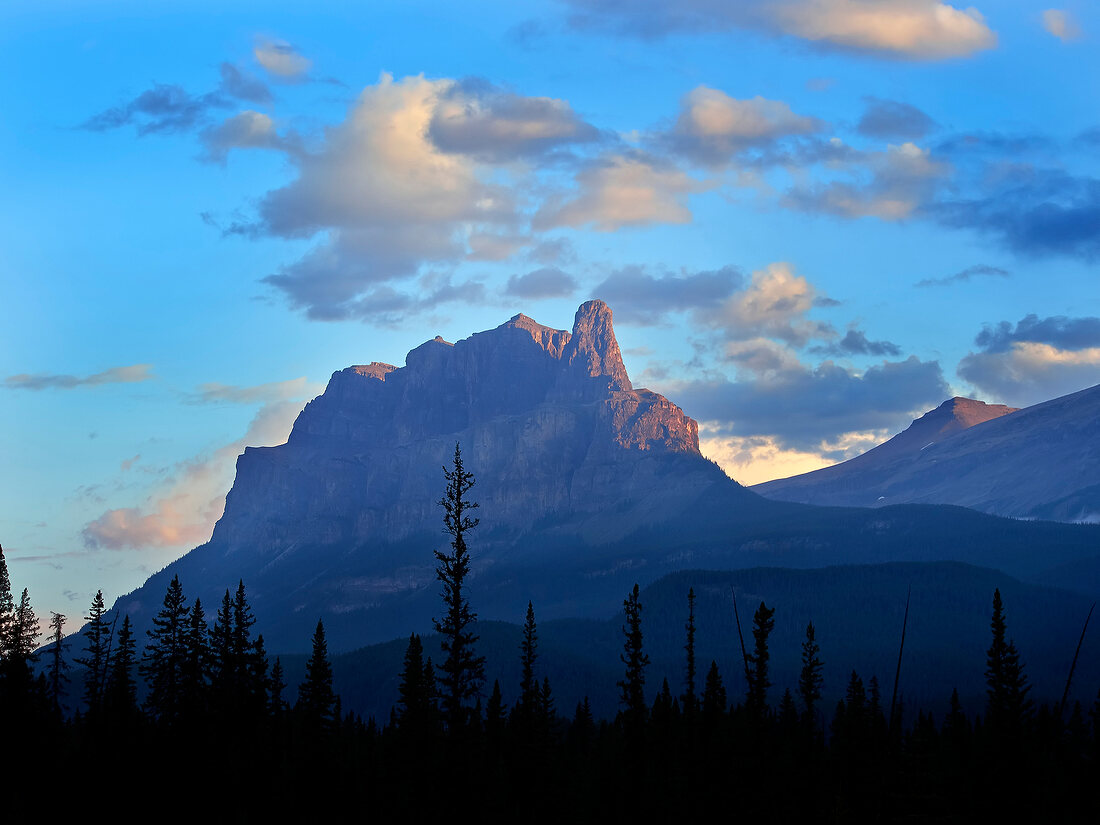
(622, 191)
(892, 29)
(1061, 24)
(182, 513)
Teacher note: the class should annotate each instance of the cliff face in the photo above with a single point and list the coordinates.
(547, 420)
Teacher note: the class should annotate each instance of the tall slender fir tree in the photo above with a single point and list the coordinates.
(463, 671)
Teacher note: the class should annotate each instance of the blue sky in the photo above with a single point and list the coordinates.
(813, 220)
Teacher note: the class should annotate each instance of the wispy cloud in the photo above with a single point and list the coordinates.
(132, 374)
(281, 59)
(213, 393)
(1061, 24)
(971, 272)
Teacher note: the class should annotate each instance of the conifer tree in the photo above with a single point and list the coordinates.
(583, 727)
(7, 611)
(810, 680)
(316, 700)
(276, 685)
(1008, 707)
(94, 661)
(195, 667)
(57, 677)
(495, 714)
(689, 650)
(529, 684)
(714, 693)
(415, 709)
(763, 622)
(164, 659)
(120, 694)
(26, 634)
(632, 686)
(547, 712)
(256, 678)
(463, 671)
(221, 665)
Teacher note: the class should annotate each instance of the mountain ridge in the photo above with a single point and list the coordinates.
(1036, 462)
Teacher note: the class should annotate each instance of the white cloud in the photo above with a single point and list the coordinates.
(281, 59)
(712, 126)
(621, 191)
(1029, 372)
(247, 130)
(915, 29)
(773, 305)
(389, 198)
(891, 185)
(897, 29)
(1061, 24)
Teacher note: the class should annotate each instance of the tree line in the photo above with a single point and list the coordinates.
(203, 699)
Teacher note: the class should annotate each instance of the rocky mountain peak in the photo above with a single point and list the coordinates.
(955, 414)
(593, 363)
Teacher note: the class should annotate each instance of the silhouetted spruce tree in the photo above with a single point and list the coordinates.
(96, 642)
(276, 684)
(58, 678)
(257, 678)
(26, 634)
(415, 704)
(194, 685)
(525, 708)
(220, 650)
(1009, 707)
(316, 700)
(583, 728)
(810, 680)
(7, 611)
(120, 694)
(495, 716)
(250, 658)
(715, 702)
(163, 660)
(547, 713)
(632, 686)
(689, 699)
(763, 622)
(463, 671)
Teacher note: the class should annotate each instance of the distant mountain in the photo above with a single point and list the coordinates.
(585, 485)
(1040, 462)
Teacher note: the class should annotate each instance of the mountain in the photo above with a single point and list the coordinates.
(585, 485)
(1039, 462)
